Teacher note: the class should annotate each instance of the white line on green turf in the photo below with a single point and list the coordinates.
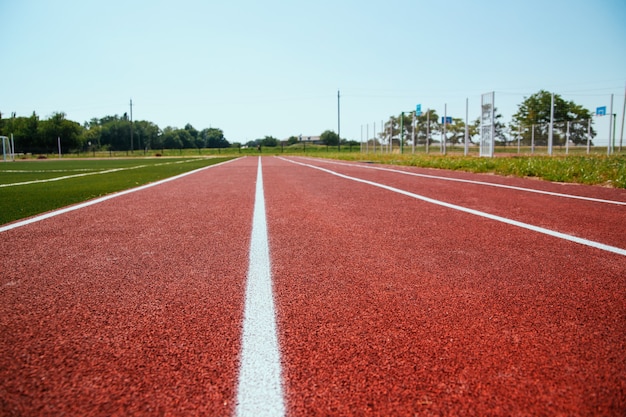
(100, 200)
(259, 392)
(66, 177)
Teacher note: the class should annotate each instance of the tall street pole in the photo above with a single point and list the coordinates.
(466, 147)
(401, 132)
(621, 135)
(609, 148)
(131, 125)
(551, 127)
(338, 121)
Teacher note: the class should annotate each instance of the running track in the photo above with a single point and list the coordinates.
(385, 301)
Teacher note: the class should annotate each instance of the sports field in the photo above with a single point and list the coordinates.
(32, 187)
(297, 286)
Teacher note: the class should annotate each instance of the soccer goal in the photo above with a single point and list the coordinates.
(8, 146)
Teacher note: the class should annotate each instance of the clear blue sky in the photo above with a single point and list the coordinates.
(256, 68)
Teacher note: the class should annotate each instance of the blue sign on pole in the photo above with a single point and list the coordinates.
(601, 111)
(418, 110)
(446, 120)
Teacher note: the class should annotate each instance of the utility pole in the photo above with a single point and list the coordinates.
(621, 135)
(445, 120)
(427, 128)
(413, 132)
(611, 145)
(402, 132)
(551, 127)
(131, 125)
(466, 147)
(338, 121)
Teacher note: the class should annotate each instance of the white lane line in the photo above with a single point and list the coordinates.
(39, 171)
(260, 389)
(100, 199)
(489, 184)
(108, 171)
(527, 226)
(69, 176)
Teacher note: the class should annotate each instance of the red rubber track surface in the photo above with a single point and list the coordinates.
(388, 305)
(601, 222)
(132, 306)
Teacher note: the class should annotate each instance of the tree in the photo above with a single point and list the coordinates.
(427, 122)
(31, 129)
(58, 127)
(269, 141)
(92, 132)
(172, 138)
(405, 126)
(115, 132)
(534, 114)
(196, 140)
(329, 138)
(25, 131)
(213, 138)
(148, 134)
(455, 131)
(292, 140)
(109, 132)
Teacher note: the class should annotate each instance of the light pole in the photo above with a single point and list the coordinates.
(551, 126)
(338, 122)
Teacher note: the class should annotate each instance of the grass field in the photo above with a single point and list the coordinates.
(32, 187)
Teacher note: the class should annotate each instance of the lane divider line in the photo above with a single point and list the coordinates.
(259, 392)
(101, 199)
(66, 177)
(512, 222)
(489, 184)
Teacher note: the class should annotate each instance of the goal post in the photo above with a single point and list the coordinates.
(8, 146)
(4, 147)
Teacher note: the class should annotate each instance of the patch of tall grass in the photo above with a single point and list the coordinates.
(588, 169)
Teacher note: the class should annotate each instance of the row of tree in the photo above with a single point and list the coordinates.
(118, 133)
(115, 133)
(530, 124)
(328, 138)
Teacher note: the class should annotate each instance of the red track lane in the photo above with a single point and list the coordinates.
(388, 305)
(132, 306)
(597, 221)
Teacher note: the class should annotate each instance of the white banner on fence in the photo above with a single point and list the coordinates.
(487, 124)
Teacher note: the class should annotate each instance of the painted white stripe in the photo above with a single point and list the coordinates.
(108, 171)
(66, 177)
(39, 171)
(259, 392)
(489, 184)
(527, 226)
(100, 199)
